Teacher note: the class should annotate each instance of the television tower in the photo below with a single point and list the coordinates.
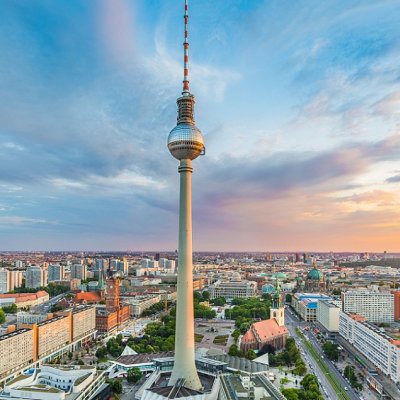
(185, 142)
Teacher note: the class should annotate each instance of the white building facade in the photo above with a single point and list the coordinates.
(379, 348)
(232, 289)
(328, 314)
(5, 281)
(375, 306)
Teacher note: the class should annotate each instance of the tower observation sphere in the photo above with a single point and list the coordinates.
(186, 141)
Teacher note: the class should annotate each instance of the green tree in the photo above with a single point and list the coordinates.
(134, 375)
(12, 309)
(117, 386)
(331, 350)
(206, 295)
(2, 316)
(234, 351)
(250, 354)
(218, 301)
(235, 334)
(291, 394)
(288, 298)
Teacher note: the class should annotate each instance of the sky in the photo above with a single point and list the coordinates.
(298, 101)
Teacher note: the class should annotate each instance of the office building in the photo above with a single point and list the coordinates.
(328, 314)
(232, 288)
(374, 306)
(139, 303)
(306, 305)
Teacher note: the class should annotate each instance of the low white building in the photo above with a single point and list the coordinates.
(233, 288)
(140, 303)
(375, 345)
(55, 382)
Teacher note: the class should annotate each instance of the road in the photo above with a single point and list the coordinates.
(45, 307)
(292, 322)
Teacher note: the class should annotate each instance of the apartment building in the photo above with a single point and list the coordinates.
(55, 272)
(16, 351)
(83, 322)
(53, 334)
(35, 277)
(5, 281)
(79, 271)
(374, 306)
(43, 340)
(375, 345)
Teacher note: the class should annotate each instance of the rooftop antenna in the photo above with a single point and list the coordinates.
(186, 53)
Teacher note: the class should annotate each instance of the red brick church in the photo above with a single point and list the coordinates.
(272, 332)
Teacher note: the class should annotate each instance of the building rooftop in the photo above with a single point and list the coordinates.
(144, 358)
(14, 333)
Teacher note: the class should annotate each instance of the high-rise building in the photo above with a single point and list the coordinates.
(374, 306)
(79, 271)
(55, 272)
(5, 281)
(123, 266)
(185, 142)
(16, 278)
(35, 277)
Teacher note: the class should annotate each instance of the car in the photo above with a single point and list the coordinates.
(346, 388)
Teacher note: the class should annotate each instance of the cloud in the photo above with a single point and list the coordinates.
(18, 220)
(393, 179)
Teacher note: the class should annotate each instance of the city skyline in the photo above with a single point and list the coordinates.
(309, 99)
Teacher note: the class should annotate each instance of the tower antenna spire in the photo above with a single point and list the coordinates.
(186, 53)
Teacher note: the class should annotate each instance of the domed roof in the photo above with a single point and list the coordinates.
(280, 275)
(314, 274)
(267, 288)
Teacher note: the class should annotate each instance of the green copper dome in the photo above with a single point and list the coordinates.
(314, 274)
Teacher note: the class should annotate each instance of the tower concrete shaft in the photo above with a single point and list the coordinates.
(184, 365)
